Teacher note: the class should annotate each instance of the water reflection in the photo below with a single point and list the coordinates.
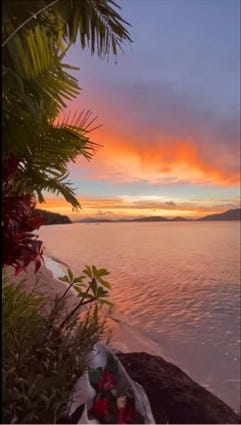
(177, 283)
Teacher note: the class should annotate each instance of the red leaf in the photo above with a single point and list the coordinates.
(35, 222)
(19, 246)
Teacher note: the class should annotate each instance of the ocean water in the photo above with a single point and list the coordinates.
(176, 285)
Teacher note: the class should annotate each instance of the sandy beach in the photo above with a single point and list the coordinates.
(44, 283)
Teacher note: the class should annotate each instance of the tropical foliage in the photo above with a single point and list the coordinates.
(44, 353)
(37, 85)
(19, 245)
(91, 287)
(41, 361)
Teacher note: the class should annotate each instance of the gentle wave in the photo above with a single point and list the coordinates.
(177, 285)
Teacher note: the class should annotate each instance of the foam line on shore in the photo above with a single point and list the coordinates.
(58, 268)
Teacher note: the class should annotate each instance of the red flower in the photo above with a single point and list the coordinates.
(107, 381)
(126, 414)
(100, 407)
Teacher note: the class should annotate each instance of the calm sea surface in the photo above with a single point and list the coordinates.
(178, 284)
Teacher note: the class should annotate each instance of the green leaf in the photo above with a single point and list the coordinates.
(101, 292)
(93, 286)
(105, 283)
(79, 290)
(103, 272)
(64, 278)
(79, 287)
(95, 271)
(79, 279)
(87, 271)
(110, 304)
(71, 276)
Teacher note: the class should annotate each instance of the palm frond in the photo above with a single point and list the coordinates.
(55, 183)
(33, 65)
(52, 147)
(79, 121)
(37, 85)
(96, 22)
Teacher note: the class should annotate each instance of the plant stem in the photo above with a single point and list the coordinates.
(66, 290)
(58, 302)
(78, 306)
(89, 301)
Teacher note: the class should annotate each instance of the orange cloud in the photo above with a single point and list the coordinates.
(151, 133)
(163, 161)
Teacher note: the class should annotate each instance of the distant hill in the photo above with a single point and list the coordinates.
(120, 220)
(180, 219)
(52, 218)
(93, 220)
(227, 215)
(158, 218)
(154, 218)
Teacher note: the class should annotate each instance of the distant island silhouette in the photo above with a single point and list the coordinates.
(51, 217)
(54, 218)
(229, 215)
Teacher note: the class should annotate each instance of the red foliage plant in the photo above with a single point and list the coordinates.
(19, 245)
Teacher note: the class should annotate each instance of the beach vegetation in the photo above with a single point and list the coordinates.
(39, 138)
(38, 85)
(89, 289)
(41, 360)
(20, 245)
(45, 352)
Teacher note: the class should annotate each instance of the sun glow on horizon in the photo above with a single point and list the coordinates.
(127, 206)
(170, 146)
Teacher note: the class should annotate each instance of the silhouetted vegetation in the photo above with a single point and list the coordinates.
(51, 217)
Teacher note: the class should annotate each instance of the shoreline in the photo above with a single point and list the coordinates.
(123, 337)
(125, 340)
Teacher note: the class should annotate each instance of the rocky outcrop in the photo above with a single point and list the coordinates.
(174, 397)
(52, 218)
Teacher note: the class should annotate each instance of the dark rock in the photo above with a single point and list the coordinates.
(174, 397)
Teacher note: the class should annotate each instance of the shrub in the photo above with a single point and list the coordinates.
(19, 245)
(41, 360)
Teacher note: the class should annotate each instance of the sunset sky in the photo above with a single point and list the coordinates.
(170, 114)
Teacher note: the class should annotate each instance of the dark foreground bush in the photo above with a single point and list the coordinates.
(41, 360)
